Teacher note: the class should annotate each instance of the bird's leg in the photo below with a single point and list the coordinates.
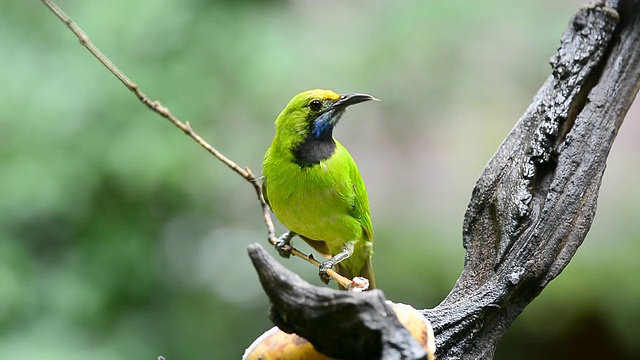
(347, 250)
(283, 242)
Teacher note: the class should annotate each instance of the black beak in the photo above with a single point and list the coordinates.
(351, 99)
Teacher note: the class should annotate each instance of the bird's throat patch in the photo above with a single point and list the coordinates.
(312, 151)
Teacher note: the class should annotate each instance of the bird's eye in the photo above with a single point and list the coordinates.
(315, 105)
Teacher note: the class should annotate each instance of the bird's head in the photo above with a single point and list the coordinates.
(314, 114)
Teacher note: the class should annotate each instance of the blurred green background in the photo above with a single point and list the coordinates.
(121, 239)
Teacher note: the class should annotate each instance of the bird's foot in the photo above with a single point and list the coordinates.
(324, 266)
(283, 244)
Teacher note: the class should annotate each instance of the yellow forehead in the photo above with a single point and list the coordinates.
(321, 94)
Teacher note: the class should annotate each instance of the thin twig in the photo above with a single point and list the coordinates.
(163, 111)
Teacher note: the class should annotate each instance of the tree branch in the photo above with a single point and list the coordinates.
(535, 201)
(328, 315)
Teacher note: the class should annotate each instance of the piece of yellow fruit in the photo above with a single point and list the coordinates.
(275, 344)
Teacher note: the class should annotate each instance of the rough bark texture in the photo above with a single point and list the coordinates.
(323, 315)
(535, 201)
(530, 210)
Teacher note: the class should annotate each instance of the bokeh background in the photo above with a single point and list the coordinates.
(120, 238)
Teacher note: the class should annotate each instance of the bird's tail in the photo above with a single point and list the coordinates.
(367, 272)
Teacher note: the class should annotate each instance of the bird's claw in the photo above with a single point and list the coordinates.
(324, 266)
(283, 245)
(283, 248)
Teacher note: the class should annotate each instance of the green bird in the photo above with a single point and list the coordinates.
(313, 186)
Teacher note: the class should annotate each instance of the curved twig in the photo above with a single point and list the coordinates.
(163, 111)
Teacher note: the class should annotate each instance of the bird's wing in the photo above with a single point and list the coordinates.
(264, 191)
(265, 161)
(360, 203)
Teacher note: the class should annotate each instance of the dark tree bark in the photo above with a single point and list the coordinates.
(325, 316)
(529, 212)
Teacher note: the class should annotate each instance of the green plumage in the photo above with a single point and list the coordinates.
(313, 185)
